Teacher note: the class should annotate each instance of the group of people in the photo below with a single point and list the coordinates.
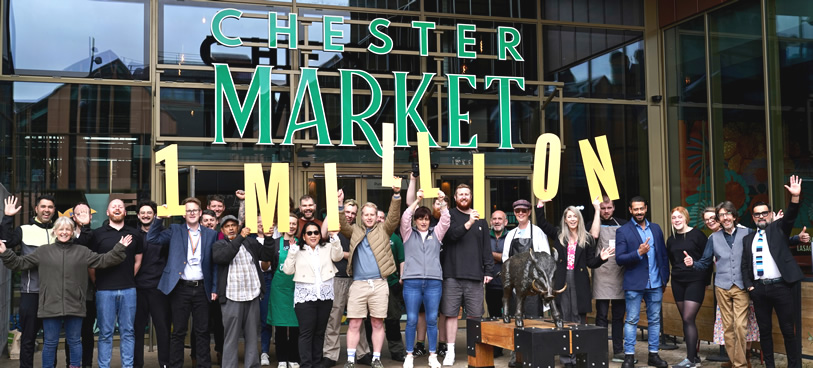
(296, 281)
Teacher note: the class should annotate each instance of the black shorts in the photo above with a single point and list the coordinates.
(693, 291)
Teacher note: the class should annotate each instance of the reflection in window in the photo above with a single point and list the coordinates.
(187, 112)
(83, 39)
(687, 116)
(497, 8)
(596, 63)
(76, 139)
(738, 106)
(185, 39)
(626, 12)
(626, 131)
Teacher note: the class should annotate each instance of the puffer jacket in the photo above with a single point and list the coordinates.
(378, 237)
(63, 274)
(29, 237)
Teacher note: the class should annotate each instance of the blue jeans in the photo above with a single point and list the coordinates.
(416, 292)
(652, 298)
(110, 306)
(73, 337)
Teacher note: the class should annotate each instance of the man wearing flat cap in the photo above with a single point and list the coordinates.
(240, 288)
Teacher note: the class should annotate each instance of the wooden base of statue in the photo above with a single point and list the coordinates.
(537, 344)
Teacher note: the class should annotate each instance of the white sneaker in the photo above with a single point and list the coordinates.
(282, 365)
(449, 359)
(264, 359)
(433, 361)
(293, 365)
(408, 361)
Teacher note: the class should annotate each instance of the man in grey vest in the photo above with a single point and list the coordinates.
(733, 299)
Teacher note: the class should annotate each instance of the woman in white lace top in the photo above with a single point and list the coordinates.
(312, 266)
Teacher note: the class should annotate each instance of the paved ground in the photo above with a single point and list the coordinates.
(671, 356)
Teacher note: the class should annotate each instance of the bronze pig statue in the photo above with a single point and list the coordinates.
(530, 273)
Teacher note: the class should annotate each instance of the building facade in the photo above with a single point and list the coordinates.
(700, 101)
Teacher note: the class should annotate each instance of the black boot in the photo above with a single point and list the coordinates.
(655, 360)
(629, 361)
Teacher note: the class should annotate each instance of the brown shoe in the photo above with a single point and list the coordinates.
(726, 364)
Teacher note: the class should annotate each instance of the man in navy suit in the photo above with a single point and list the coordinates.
(190, 280)
(641, 250)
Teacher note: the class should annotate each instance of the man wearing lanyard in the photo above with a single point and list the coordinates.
(190, 280)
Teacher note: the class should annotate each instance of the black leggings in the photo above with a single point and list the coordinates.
(287, 344)
(689, 297)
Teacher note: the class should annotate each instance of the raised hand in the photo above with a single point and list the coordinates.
(126, 240)
(419, 195)
(541, 202)
(804, 237)
(607, 253)
(795, 187)
(340, 194)
(778, 215)
(644, 247)
(474, 216)
(162, 217)
(687, 260)
(240, 194)
(81, 218)
(11, 207)
(245, 232)
(596, 204)
(396, 184)
(442, 195)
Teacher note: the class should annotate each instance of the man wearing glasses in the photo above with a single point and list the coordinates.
(772, 276)
(190, 280)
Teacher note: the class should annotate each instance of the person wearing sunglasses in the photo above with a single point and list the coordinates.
(311, 263)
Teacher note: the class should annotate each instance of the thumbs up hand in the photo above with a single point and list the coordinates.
(688, 260)
(804, 237)
(644, 247)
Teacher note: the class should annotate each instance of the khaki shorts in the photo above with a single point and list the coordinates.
(364, 295)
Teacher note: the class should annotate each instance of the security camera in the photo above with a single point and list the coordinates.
(306, 164)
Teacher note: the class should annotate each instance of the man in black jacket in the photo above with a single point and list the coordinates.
(772, 276)
(467, 265)
(240, 289)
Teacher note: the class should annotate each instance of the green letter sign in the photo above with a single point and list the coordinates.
(260, 84)
(274, 29)
(408, 109)
(505, 106)
(309, 84)
(348, 118)
(217, 27)
(455, 117)
(385, 38)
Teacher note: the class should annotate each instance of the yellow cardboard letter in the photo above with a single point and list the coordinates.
(425, 166)
(330, 192)
(388, 154)
(479, 184)
(599, 171)
(274, 198)
(545, 142)
(170, 157)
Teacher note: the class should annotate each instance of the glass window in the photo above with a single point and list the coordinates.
(187, 112)
(185, 38)
(81, 38)
(76, 140)
(316, 189)
(629, 13)
(626, 131)
(373, 4)
(792, 129)
(596, 63)
(738, 106)
(687, 116)
(497, 8)
(503, 193)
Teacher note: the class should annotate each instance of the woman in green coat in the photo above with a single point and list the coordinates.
(281, 301)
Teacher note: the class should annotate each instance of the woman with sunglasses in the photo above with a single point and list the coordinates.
(281, 313)
(312, 266)
(422, 275)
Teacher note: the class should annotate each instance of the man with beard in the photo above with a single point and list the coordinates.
(152, 303)
(467, 265)
(209, 219)
(190, 280)
(726, 247)
(115, 286)
(307, 209)
(341, 288)
(494, 288)
(641, 250)
(772, 276)
(29, 238)
(240, 288)
(608, 279)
